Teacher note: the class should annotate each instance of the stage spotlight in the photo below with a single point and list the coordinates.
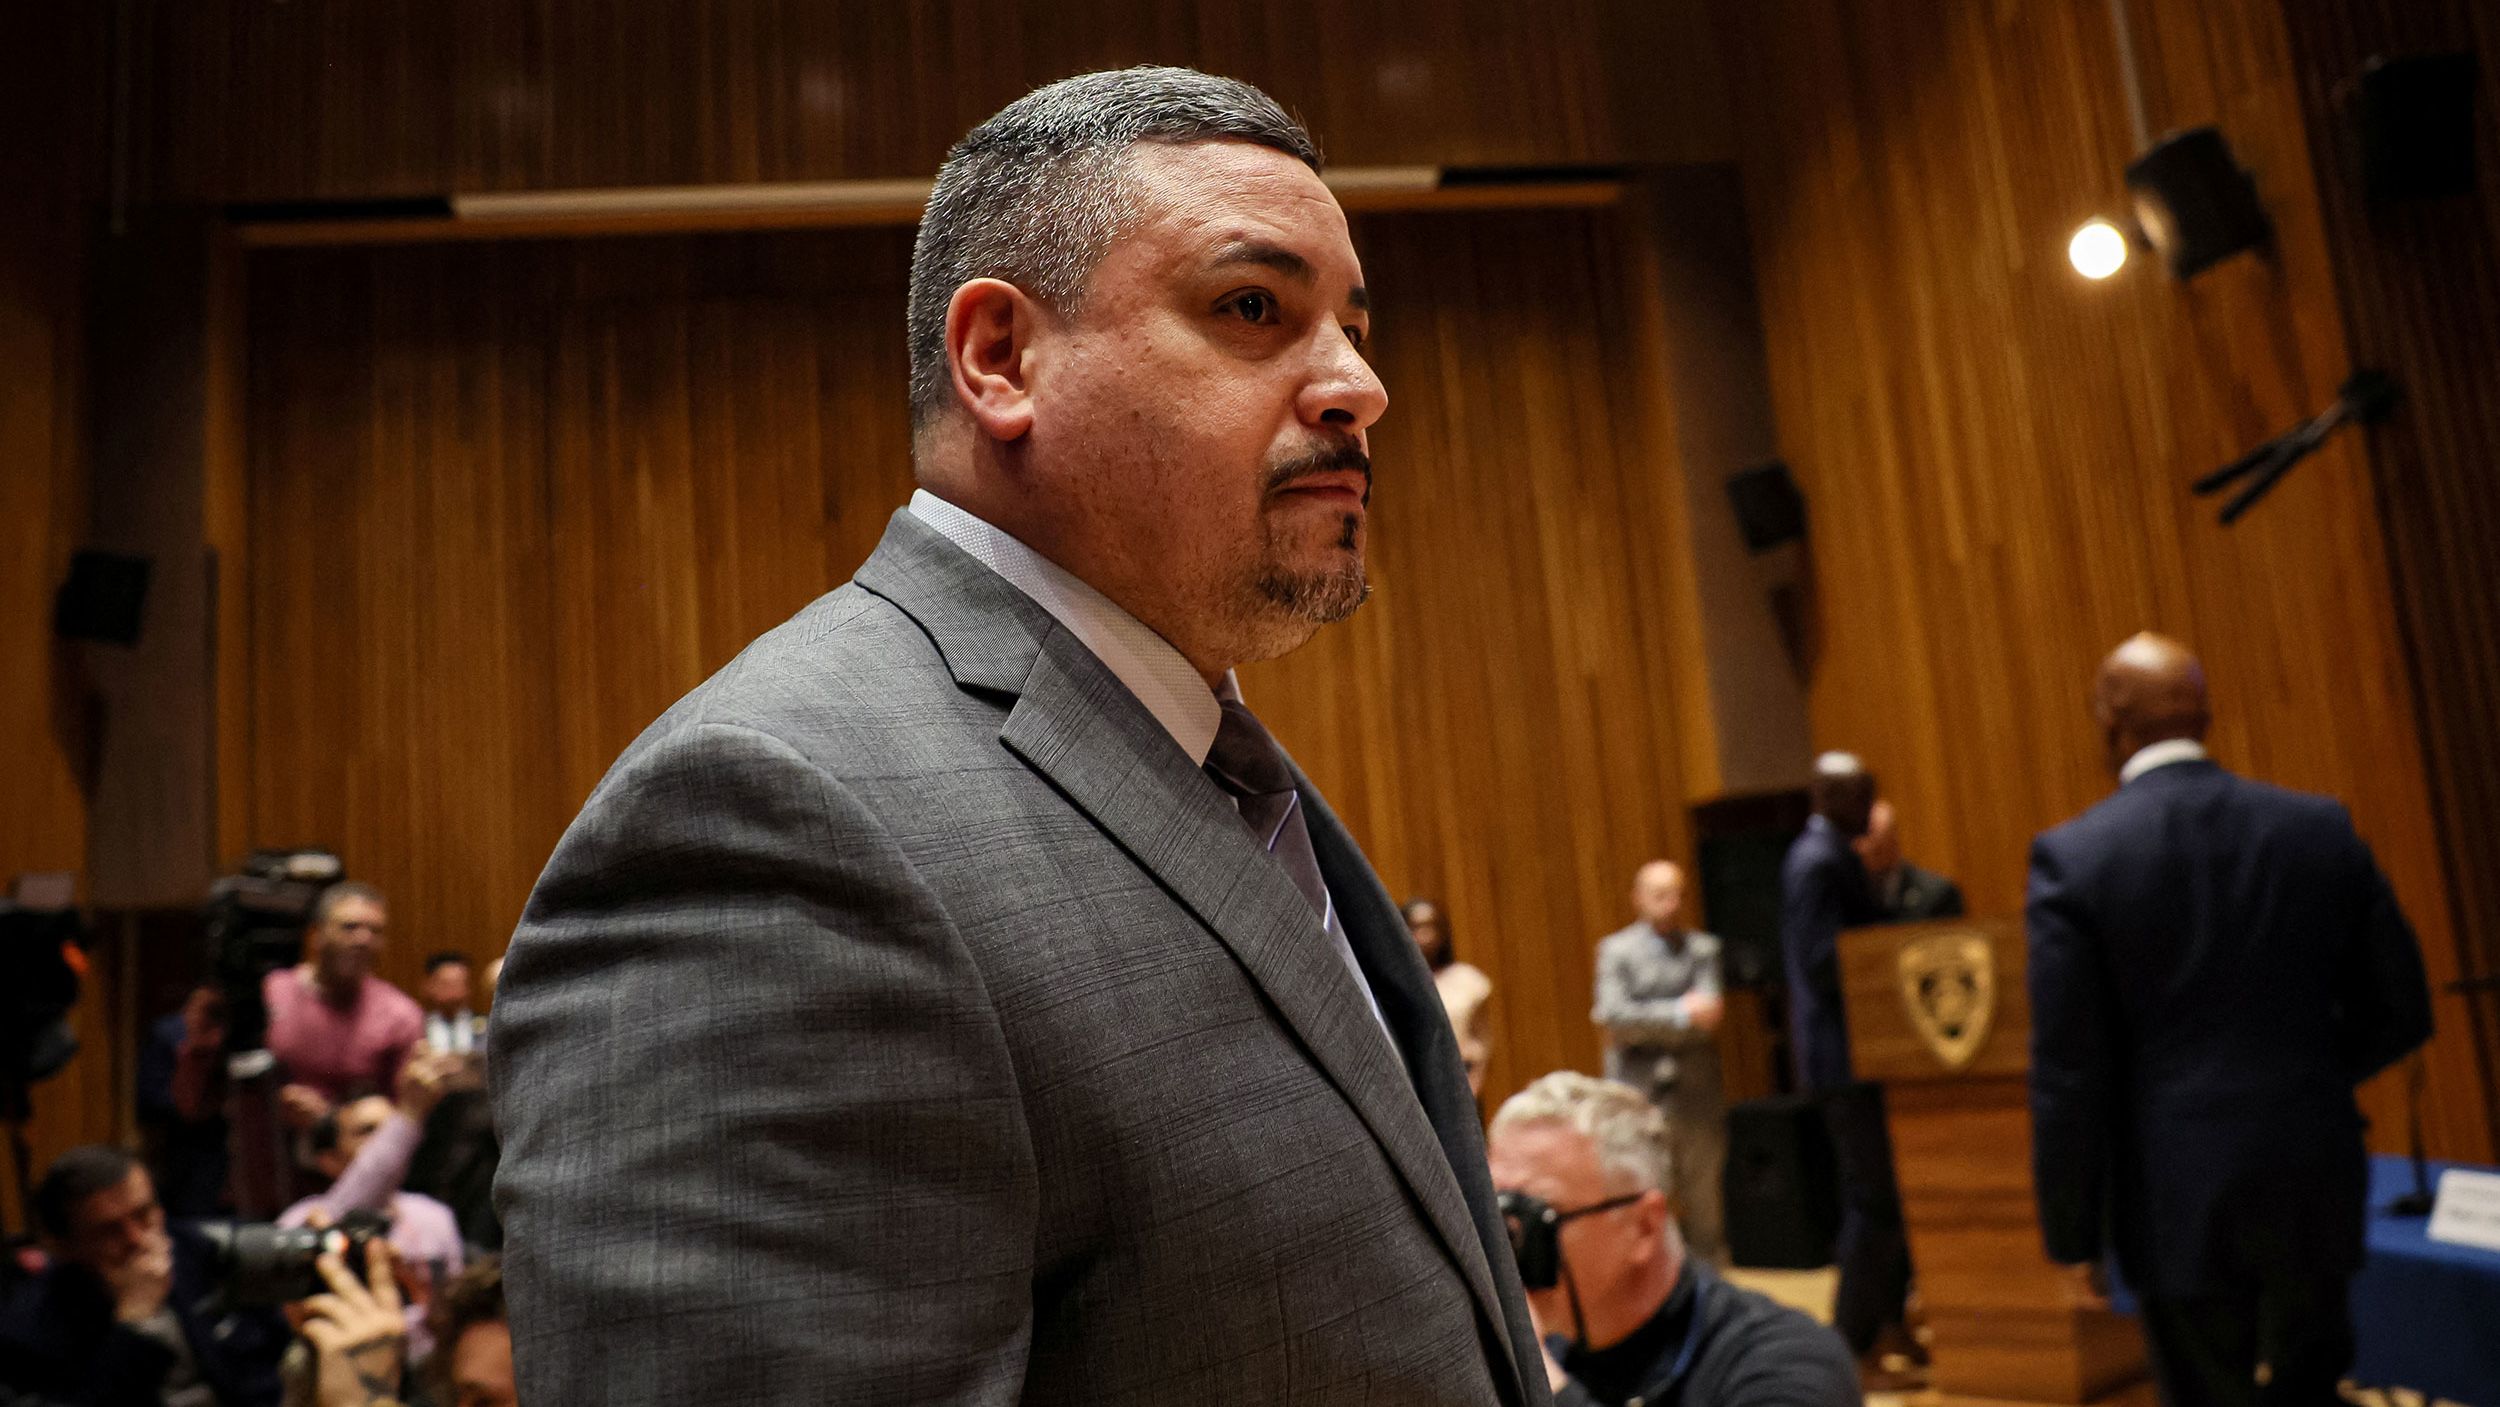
(2097, 250)
(2194, 201)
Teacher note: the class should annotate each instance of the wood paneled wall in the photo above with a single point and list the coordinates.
(1996, 452)
(49, 81)
(506, 503)
(244, 100)
(2421, 296)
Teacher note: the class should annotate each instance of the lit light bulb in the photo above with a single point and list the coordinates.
(2097, 250)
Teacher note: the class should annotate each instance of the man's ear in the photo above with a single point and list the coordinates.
(989, 332)
(1655, 1210)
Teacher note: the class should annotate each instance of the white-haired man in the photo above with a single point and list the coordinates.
(1630, 1320)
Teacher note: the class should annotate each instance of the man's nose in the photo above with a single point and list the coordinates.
(1344, 392)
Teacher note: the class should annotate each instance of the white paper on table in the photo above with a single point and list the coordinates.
(2467, 1209)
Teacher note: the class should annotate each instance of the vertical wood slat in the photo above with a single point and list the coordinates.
(1996, 451)
(50, 103)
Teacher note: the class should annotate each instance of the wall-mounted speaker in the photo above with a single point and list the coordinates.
(2413, 125)
(103, 599)
(2195, 202)
(1769, 509)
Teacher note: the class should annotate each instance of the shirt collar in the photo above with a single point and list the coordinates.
(2166, 753)
(1159, 675)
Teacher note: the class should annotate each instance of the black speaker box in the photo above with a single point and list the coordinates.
(2195, 202)
(1769, 509)
(2413, 123)
(1782, 1186)
(102, 599)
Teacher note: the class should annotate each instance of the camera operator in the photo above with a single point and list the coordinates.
(363, 1147)
(182, 1104)
(124, 1316)
(333, 1025)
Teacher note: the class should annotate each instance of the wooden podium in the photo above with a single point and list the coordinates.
(1940, 1017)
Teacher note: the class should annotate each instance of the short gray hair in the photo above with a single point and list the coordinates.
(1629, 1133)
(1037, 194)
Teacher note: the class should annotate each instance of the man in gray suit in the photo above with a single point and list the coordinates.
(1660, 998)
(959, 997)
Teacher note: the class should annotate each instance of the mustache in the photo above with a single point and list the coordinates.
(1334, 459)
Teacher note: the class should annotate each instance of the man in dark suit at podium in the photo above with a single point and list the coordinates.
(2215, 963)
(1824, 888)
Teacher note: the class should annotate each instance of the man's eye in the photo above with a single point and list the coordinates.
(1253, 307)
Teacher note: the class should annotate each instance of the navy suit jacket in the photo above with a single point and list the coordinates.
(1823, 889)
(2214, 964)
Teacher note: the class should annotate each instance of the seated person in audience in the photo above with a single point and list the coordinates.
(182, 1105)
(124, 1316)
(474, 1368)
(1464, 988)
(1628, 1316)
(364, 1147)
(333, 1025)
(451, 1028)
(1904, 892)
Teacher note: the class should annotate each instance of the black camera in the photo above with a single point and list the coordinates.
(1535, 1227)
(1535, 1239)
(258, 1265)
(41, 954)
(254, 925)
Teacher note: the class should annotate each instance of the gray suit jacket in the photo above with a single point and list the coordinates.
(905, 1019)
(1649, 1044)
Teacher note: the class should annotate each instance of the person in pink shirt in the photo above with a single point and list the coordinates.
(334, 1026)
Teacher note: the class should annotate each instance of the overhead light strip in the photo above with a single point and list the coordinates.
(682, 200)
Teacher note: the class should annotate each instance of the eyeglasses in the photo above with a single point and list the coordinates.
(1535, 1227)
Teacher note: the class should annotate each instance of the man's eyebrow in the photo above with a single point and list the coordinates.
(1264, 254)
(1284, 261)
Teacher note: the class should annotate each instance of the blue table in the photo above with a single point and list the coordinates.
(2425, 1314)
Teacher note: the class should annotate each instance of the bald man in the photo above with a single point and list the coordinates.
(1659, 1000)
(2215, 963)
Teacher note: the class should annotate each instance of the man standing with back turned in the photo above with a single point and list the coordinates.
(2215, 963)
(960, 997)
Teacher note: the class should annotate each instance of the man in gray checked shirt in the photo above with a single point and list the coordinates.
(1658, 997)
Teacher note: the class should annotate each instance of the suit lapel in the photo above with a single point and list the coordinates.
(1462, 1209)
(1078, 726)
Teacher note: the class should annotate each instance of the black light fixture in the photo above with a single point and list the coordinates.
(2194, 201)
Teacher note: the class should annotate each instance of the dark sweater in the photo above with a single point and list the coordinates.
(1746, 1351)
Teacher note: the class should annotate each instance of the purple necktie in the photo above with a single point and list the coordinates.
(1247, 763)
(1251, 768)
